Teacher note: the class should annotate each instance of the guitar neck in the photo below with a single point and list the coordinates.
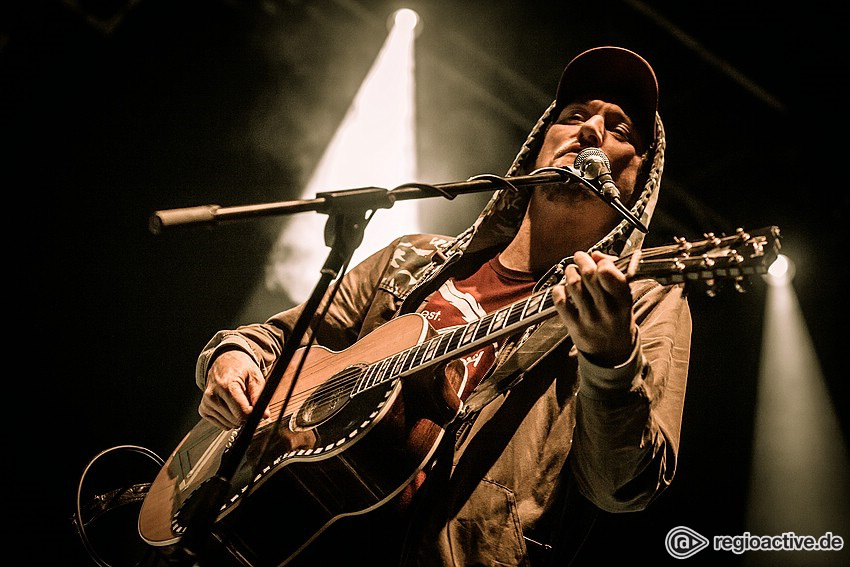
(731, 257)
(461, 340)
(467, 338)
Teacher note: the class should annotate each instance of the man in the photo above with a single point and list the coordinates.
(595, 406)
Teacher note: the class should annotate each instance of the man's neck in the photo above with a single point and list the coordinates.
(551, 231)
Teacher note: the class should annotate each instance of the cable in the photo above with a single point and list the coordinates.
(114, 496)
(428, 186)
(495, 178)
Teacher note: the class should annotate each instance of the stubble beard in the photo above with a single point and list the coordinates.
(570, 193)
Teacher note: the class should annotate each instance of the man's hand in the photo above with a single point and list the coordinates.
(595, 303)
(234, 382)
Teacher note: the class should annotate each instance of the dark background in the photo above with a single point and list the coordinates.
(114, 109)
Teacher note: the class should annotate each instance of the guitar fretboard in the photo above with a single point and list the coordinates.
(459, 341)
(731, 257)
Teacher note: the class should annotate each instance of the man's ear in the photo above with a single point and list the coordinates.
(645, 163)
(528, 164)
(642, 176)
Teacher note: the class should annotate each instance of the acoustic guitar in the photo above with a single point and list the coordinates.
(361, 423)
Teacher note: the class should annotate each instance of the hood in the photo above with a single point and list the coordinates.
(500, 219)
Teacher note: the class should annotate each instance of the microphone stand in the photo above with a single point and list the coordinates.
(374, 197)
(347, 220)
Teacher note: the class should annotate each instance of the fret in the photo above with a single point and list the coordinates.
(407, 359)
(454, 339)
(515, 312)
(376, 373)
(500, 317)
(364, 380)
(533, 305)
(432, 346)
(484, 326)
(547, 302)
(398, 359)
(469, 332)
(376, 368)
(438, 340)
(443, 344)
(386, 368)
(419, 351)
(379, 375)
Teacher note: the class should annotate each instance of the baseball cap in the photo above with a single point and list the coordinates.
(616, 74)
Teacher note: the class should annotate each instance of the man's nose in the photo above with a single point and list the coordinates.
(592, 131)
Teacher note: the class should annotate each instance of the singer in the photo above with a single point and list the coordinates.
(591, 418)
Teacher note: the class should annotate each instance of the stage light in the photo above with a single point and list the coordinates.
(800, 474)
(781, 271)
(405, 19)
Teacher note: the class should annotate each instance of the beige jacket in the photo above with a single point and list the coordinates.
(609, 434)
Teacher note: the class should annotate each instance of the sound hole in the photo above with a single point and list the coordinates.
(329, 398)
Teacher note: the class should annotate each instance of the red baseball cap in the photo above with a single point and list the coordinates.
(618, 75)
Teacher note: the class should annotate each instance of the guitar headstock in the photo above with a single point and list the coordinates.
(735, 257)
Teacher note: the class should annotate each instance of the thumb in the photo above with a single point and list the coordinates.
(254, 384)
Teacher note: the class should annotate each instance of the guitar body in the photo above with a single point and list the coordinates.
(332, 455)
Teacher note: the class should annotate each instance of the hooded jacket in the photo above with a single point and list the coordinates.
(519, 468)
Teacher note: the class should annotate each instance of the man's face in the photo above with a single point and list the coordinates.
(595, 124)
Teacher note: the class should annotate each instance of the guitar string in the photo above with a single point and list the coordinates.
(349, 378)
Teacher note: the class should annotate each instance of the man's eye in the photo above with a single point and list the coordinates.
(573, 118)
(622, 131)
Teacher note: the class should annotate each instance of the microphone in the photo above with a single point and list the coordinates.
(593, 164)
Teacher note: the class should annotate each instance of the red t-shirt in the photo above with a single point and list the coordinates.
(461, 301)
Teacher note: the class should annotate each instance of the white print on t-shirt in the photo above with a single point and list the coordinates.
(431, 315)
(473, 360)
(464, 302)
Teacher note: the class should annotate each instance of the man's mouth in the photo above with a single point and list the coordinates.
(566, 151)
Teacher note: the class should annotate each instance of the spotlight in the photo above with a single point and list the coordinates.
(781, 271)
(405, 19)
(380, 121)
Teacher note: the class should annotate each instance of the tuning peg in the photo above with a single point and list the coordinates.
(711, 237)
(741, 284)
(710, 288)
(743, 235)
(682, 242)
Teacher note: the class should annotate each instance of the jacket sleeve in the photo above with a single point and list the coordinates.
(629, 418)
(339, 328)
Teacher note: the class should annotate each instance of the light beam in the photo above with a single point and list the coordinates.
(800, 476)
(374, 146)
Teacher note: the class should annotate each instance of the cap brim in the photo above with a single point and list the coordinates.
(618, 75)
